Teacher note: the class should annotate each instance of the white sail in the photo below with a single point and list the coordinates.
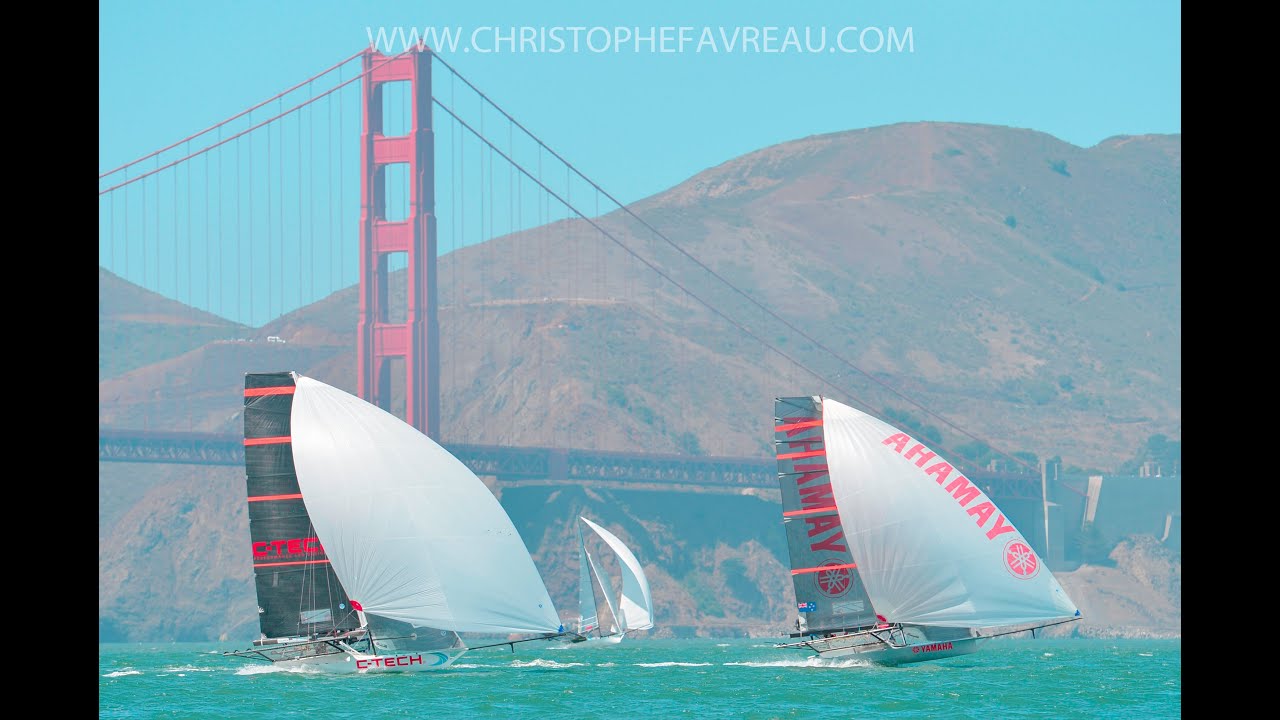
(412, 533)
(606, 588)
(588, 617)
(636, 604)
(930, 546)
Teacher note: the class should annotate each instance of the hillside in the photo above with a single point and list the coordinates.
(137, 327)
(1027, 290)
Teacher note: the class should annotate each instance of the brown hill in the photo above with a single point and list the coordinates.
(137, 327)
(1026, 289)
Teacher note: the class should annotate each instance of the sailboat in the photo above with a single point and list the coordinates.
(896, 557)
(372, 546)
(634, 609)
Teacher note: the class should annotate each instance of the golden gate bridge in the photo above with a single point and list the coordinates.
(354, 181)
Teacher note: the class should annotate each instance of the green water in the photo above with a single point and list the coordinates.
(1008, 678)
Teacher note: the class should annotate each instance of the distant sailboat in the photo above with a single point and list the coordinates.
(372, 546)
(895, 556)
(634, 609)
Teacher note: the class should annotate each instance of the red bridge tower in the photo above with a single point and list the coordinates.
(417, 339)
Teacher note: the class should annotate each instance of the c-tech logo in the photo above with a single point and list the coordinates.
(292, 547)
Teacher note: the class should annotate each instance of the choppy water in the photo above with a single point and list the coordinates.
(1008, 678)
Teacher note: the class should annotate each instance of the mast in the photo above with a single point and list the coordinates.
(830, 594)
(586, 593)
(297, 590)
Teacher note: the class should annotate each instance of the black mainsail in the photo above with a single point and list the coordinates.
(298, 593)
(830, 595)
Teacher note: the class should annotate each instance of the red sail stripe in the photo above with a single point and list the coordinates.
(805, 511)
(797, 425)
(295, 562)
(267, 440)
(261, 498)
(805, 454)
(824, 567)
(282, 390)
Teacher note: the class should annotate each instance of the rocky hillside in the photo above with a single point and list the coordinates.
(137, 327)
(1026, 290)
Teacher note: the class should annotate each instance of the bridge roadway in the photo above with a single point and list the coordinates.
(535, 465)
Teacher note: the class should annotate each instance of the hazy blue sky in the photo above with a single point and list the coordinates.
(641, 121)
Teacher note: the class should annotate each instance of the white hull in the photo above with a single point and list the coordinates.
(357, 662)
(896, 646)
(338, 657)
(881, 654)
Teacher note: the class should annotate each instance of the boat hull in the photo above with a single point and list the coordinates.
(899, 646)
(335, 657)
(361, 663)
(881, 654)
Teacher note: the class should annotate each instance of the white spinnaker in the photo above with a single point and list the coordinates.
(412, 533)
(929, 554)
(636, 604)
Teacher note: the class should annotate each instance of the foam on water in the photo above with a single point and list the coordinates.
(122, 673)
(808, 662)
(672, 663)
(542, 662)
(273, 668)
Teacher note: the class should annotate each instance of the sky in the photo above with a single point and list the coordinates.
(642, 116)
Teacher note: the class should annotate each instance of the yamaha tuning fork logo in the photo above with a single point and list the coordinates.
(1020, 560)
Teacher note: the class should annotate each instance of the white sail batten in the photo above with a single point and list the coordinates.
(931, 547)
(411, 532)
(635, 604)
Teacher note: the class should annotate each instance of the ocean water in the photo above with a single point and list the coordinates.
(1008, 678)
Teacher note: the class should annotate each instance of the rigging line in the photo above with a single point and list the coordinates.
(144, 235)
(731, 286)
(570, 236)
(328, 172)
(462, 211)
(270, 182)
(190, 288)
(221, 219)
(299, 191)
(511, 229)
(311, 202)
(239, 243)
(453, 245)
(157, 285)
(251, 224)
(280, 164)
(1032, 629)
(548, 636)
(342, 187)
(111, 220)
(237, 116)
(208, 260)
(175, 233)
(290, 111)
(126, 233)
(483, 241)
(631, 252)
